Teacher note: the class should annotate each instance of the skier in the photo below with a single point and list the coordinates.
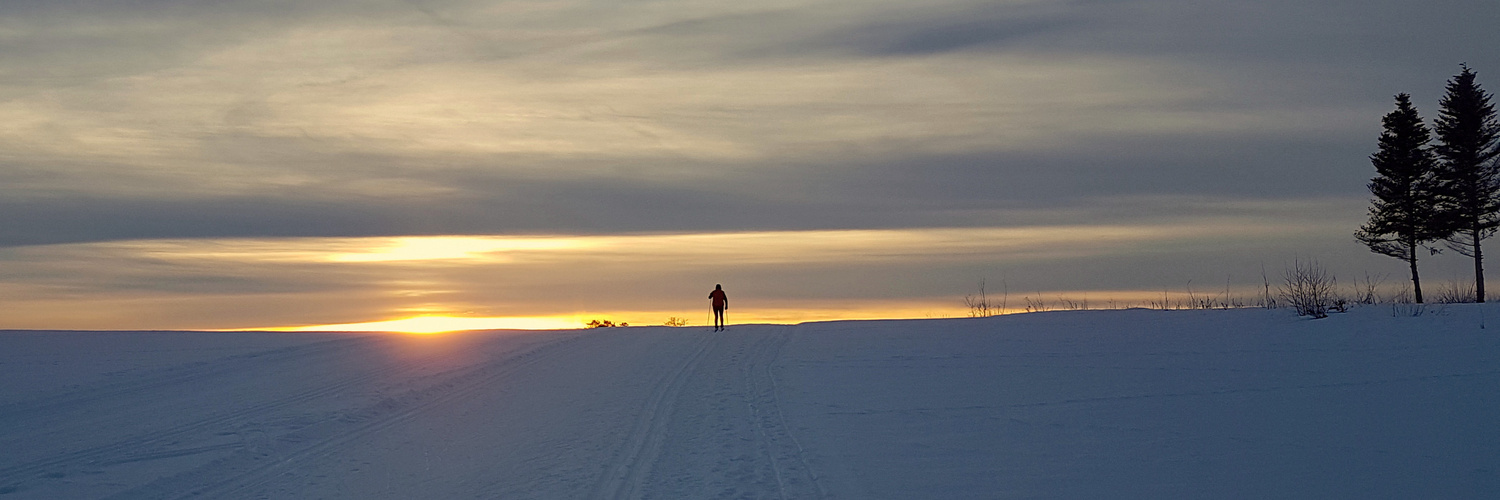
(720, 303)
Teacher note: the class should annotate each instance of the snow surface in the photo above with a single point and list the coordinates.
(1090, 404)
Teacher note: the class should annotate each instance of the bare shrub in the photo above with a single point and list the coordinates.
(1228, 301)
(1068, 304)
(1037, 304)
(1164, 304)
(1267, 299)
(1339, 304)
(1454, 293)
(1367, 292)
(675, 321)
(1195, 301)
(979, 305)
(1308, 288)
(603, 324)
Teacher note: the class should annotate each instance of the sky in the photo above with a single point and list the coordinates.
(173, 164)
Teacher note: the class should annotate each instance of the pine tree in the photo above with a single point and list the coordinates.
(1403, 215)
(1468, 174)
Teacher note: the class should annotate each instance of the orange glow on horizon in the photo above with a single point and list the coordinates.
(427, 284)
(418, 248)
(441, 324)
(430, 324)
(774, 315)
(741, 248)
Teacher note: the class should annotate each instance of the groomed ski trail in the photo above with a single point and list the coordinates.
(628, 471)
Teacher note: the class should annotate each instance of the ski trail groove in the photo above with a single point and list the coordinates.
(128, 449)
(626, 475)
(812, 475)
(167, 376)
(753, 383)
(794, 476)
(236, 476)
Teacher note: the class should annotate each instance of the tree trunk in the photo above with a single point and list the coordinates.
(1478, 270)
(1416, 282)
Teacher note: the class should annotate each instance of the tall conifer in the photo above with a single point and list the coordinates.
(1403, 213)
(1469, 177)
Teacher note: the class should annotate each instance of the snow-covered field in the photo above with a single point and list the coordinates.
(1092, 404)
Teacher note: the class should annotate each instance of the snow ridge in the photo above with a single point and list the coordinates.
(1093, 404)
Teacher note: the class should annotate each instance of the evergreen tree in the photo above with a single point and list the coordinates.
(1404, 212)
(1469, 177)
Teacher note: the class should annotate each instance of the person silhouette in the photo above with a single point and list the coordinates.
(720, 303)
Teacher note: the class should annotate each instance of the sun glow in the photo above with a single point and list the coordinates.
(442, 324)
(451, 247)
(432, 284)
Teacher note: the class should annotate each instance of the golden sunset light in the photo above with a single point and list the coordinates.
(446, 283)
(440, 324)
(795, 249)
(417, 248)
(229, 167)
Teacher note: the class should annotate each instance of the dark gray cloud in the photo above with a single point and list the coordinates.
(1298, 51)
(812, 31)
(916, 39)
(1335, 62)
(915, 191)
(200, 124)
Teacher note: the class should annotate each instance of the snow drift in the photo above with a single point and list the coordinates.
(1089, 404)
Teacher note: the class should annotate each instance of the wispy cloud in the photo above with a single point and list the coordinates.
(168, 119)
(319, 281)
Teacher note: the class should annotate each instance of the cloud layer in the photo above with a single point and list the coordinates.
(167, 119)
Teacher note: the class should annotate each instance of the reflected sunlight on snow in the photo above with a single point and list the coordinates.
(443, 324)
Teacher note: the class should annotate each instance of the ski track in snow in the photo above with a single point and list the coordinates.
(262, 446)
(130, 448)
(1123, 404)
(795, 479)
(630, 466)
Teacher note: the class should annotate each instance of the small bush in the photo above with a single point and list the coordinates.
(1366, 292)
(603, 324)
(675, 321)
(1454, 293)
(1267, 299)
(1068, 304)
(979, 305)
(1339, 304)
(1308, 288)
(1037, 305)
